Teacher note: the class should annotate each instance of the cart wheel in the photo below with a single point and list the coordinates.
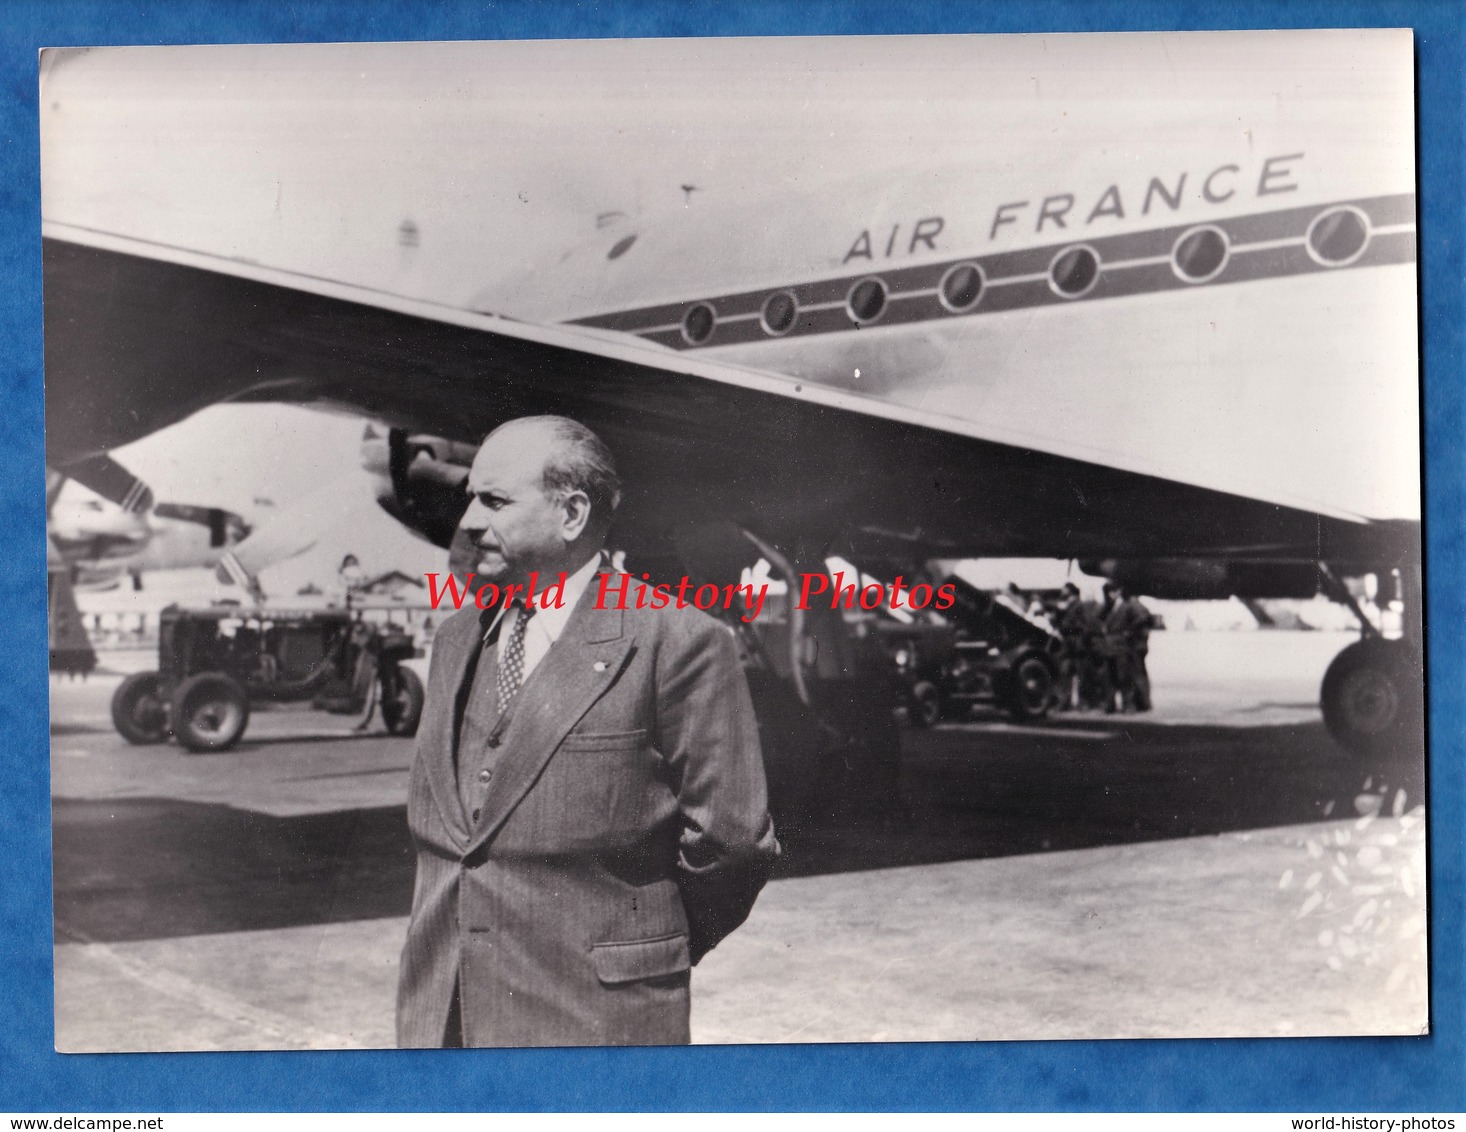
(402, 705)
(139, 711)
(210, 712)
(1029, 688)
(925, 706)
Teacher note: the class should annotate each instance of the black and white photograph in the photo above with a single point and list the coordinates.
(723, 541)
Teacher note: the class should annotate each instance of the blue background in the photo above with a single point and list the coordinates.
(1299, 1074)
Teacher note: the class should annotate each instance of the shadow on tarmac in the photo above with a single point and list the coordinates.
(972, 792)
(132, 869)
(155, 868)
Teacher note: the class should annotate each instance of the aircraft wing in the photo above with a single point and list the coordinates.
(140, 335)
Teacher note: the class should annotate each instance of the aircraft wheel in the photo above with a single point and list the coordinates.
(210, 712)
(1028, 688)
(925, 705)
(402, 704)
(1371, 697)
(139, 711)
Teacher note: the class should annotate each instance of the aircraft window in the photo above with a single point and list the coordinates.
(698, 323)
(780, 310)
(1074, 271)
(621, 246)
(867, 300)
(1200, 254)
(962, 287)
(1338, 236)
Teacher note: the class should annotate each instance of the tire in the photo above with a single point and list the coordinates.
(1372, 698)
(139, 711)
(402, 710)
(1028, 687)
(924, 708)
(210, 712)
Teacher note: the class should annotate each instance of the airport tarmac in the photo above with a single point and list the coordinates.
(1216, 868)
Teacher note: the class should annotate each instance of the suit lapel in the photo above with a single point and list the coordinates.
(438, 747)
(576, 672)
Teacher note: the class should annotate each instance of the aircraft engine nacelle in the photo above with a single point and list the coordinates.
(225, 527)
(1202, 579)
(420, 480)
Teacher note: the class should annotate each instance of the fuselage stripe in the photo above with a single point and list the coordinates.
(1010, 280)
(1361, 233)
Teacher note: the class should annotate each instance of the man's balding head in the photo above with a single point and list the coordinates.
(544, 490)
(574, 459)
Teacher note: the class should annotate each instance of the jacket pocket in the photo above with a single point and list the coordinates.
(640, 959)
(605, 740)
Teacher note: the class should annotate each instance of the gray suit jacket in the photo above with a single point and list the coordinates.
(625, 832)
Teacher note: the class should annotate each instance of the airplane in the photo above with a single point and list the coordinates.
(1162, 317)
(101, 541)
(102, 524)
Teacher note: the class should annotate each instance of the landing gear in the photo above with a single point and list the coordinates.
(1373, 694)
(1371, 697)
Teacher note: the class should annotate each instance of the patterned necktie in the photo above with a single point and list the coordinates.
(511, 665)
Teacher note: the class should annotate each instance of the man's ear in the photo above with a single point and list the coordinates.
(576, 515)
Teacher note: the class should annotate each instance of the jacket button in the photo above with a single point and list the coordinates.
(475, 815)
(485, 775)
(493, 740)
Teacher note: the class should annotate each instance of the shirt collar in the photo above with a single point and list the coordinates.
(552, 619)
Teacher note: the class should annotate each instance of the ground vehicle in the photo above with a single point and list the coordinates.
(990, 652)
(214, 664)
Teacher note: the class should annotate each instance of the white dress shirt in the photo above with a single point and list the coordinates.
(546, 625)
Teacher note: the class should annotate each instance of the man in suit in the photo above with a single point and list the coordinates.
(588, 800)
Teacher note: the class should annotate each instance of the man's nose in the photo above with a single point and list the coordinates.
(476, 518)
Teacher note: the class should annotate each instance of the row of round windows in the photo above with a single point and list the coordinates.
(1335, 238)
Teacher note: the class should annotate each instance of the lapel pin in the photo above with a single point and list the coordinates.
(599, 666)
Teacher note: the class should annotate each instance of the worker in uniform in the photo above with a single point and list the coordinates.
(1141, 622)
(1076, 625)
(1127, 624)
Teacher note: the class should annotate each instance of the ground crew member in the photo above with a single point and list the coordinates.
(1127, 632)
